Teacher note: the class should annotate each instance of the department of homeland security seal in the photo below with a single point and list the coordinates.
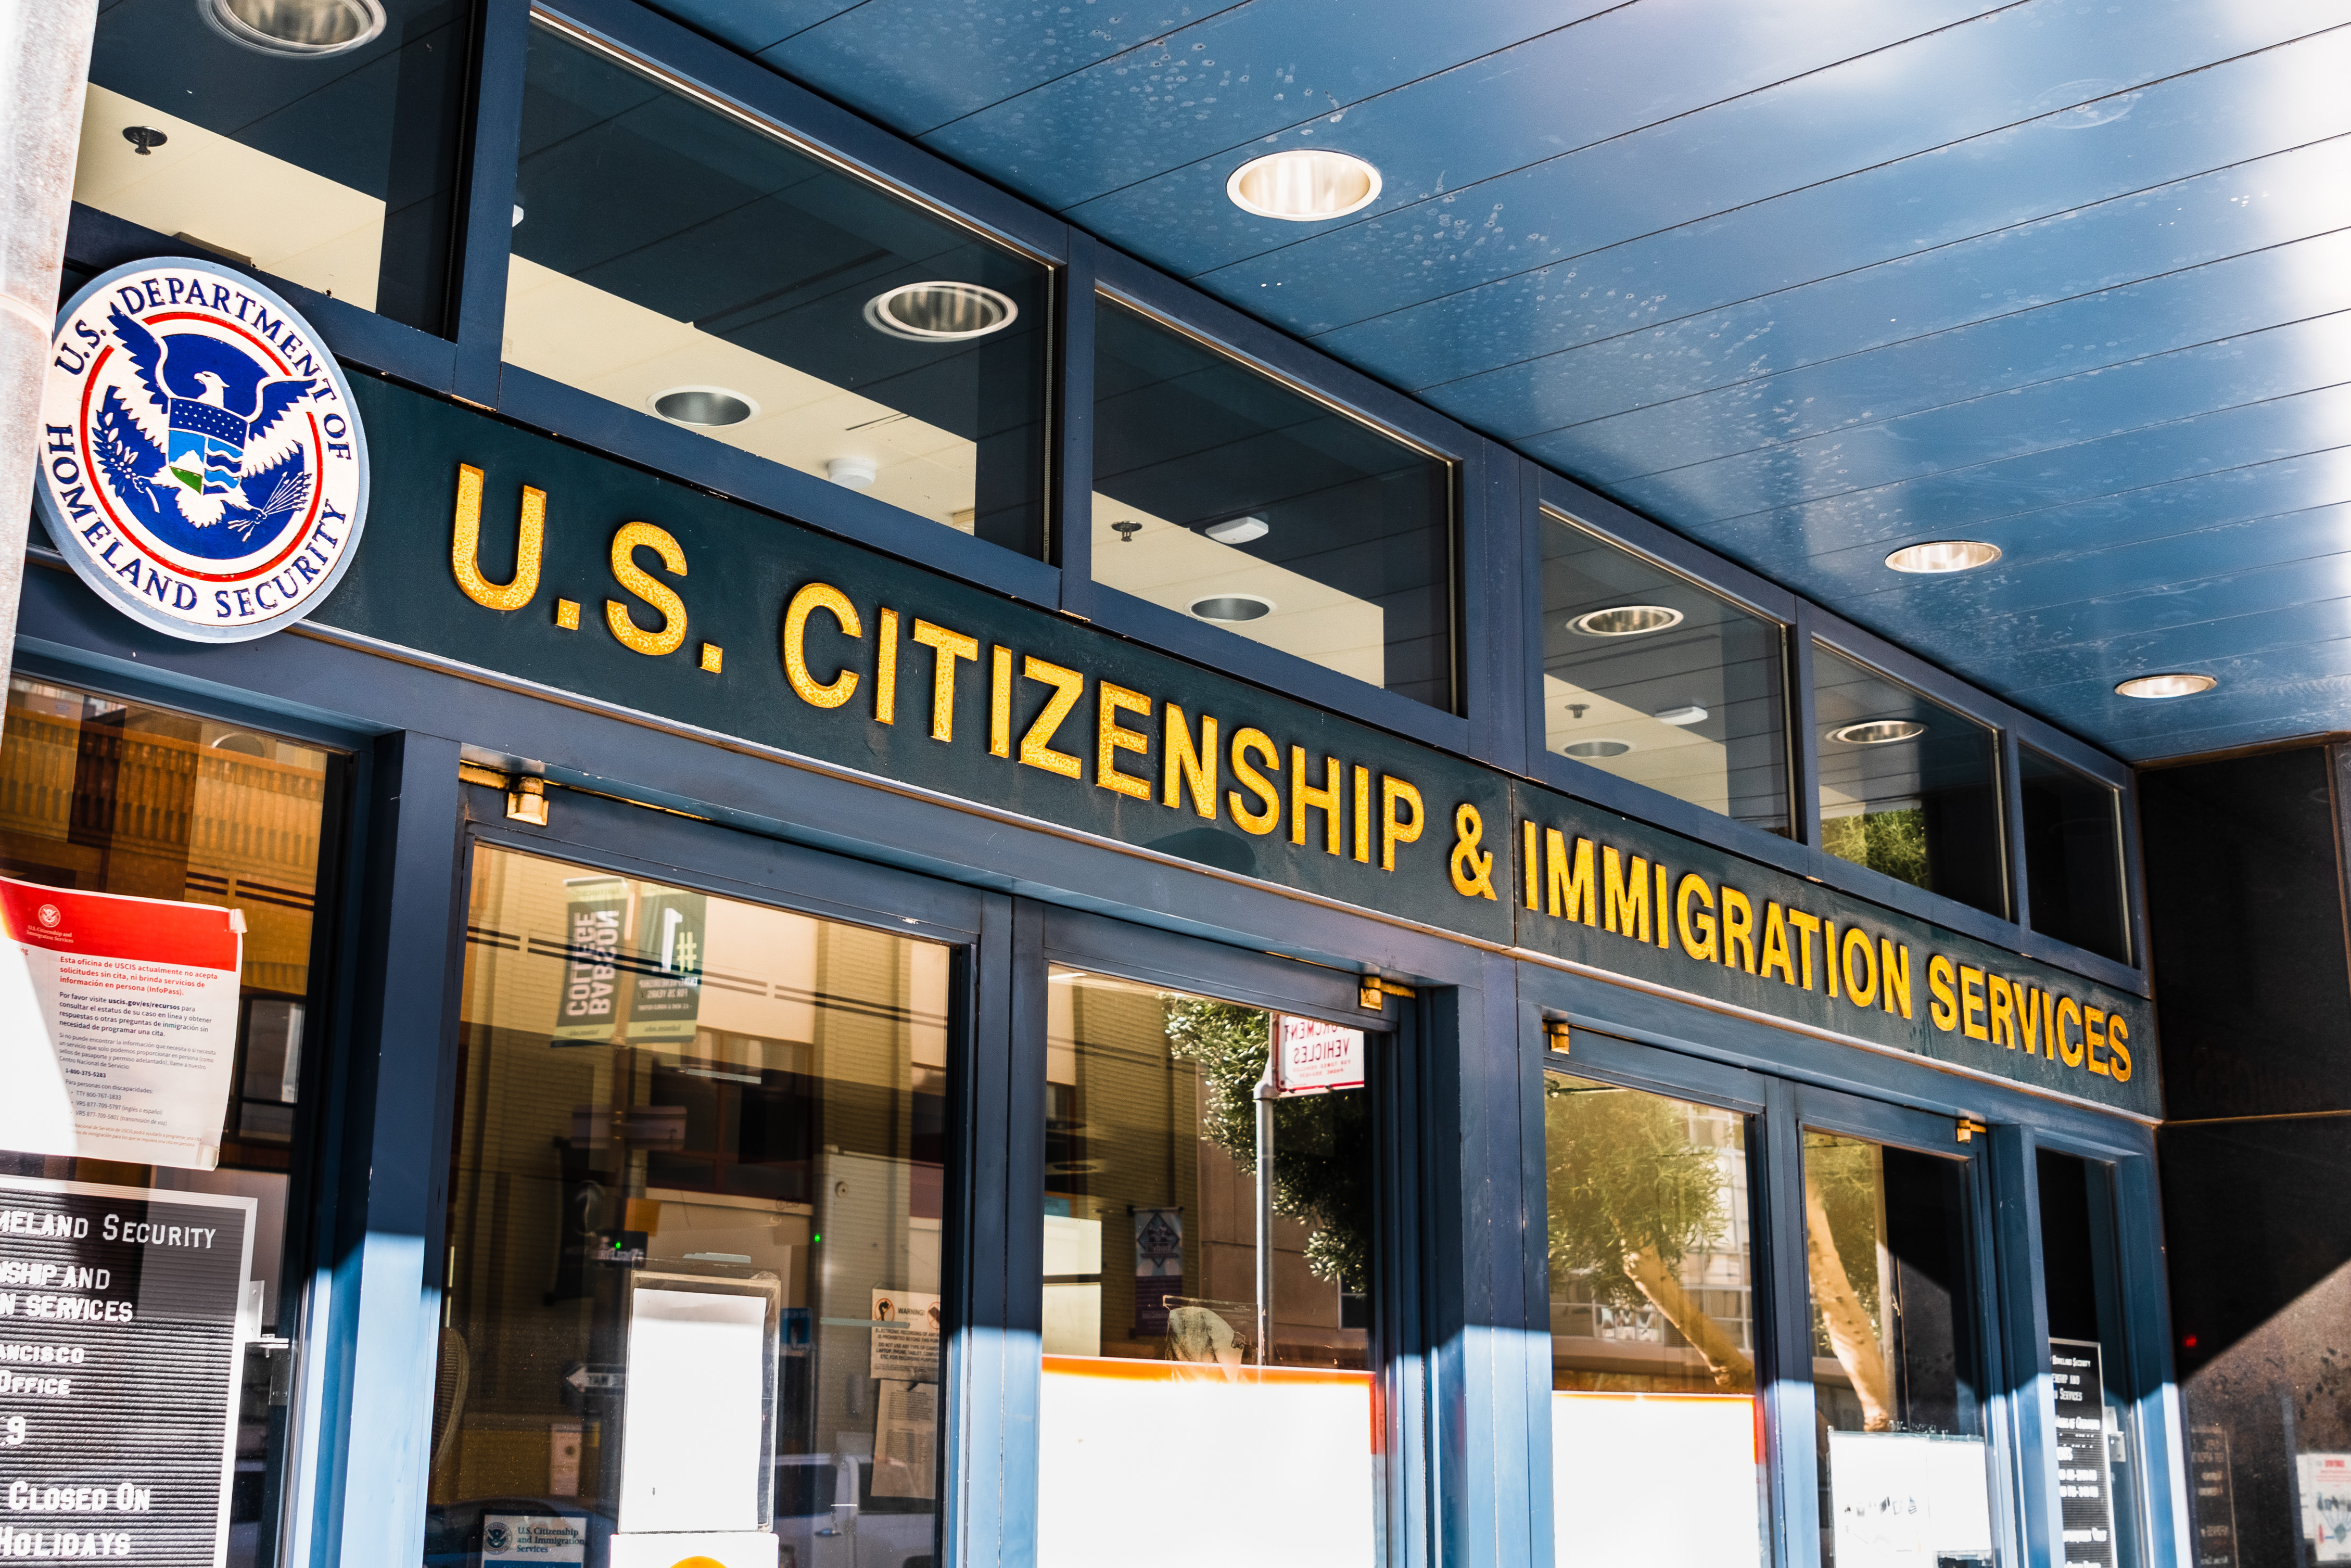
(201, 466)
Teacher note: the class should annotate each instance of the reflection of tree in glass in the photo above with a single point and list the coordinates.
(1844, 1218)
(1321, 1143)
(1892, 842)
(1630, 1196)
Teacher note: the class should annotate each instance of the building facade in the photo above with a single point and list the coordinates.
(904, 894)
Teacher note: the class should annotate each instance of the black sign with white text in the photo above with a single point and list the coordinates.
(120, 1357)
(2084, 1479)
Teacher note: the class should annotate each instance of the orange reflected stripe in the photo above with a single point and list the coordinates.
(1128, 1371)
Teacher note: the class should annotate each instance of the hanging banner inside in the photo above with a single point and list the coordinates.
(122, 1334)
(118, 1025)
(1311, 1057)
(668, 998)
(1158, 1267)
(594, 907)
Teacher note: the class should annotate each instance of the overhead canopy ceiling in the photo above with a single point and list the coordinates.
(1805, 280)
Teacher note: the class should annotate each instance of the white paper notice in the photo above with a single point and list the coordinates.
(908, 1350)
(1906, 1499)
(117, 1024)
(2324, 1482)
(905, 1438)
(691, 1432)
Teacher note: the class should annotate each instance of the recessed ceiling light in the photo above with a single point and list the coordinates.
(940, 312)
(1691, 713)
(307, 28)
(1626, 621)
(1238, 530)
(1231, 607)
(1304, 185)
(1878, 732)
(856, 473)
(1943, 555)
(2170, 685)
(1593, 751)
(703, 407)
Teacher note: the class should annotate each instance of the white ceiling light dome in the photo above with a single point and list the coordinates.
(941, 311)
(1304, 185)
(2155, 688)
(1937, 556)
(307, 29)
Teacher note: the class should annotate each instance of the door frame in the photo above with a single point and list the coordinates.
(1400, 1074)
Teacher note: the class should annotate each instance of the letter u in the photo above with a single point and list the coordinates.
(465, 544)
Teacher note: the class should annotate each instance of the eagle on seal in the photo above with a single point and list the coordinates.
(244, 467)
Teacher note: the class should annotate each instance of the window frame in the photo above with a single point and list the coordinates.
(312, 1176)
(1670, 553)
(1101, 945)
(1258, 347)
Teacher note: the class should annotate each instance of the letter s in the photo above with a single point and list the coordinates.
(631, 575)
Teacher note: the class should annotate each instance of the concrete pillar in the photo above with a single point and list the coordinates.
(44, 69)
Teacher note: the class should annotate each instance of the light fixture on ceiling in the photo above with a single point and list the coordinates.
(306, 28)
(1943, 555)
(1238, 530)
(705, 408)
(940, 311)
(1596, 750)
(1304, 185)
(1690, 713)
(1877, 732)
(2154, 687)
(145, 138)
(1232, 607)
(1626, 621)
(854, 472)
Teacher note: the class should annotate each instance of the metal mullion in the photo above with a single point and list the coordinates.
(2014, 1309)
(1069, 526)
(1803, 733)
(2010, 782)
(493, 148)
(1791, 1444)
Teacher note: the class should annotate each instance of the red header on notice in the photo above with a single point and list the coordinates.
(115, 926)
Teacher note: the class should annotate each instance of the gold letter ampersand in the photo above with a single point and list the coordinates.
(1473, 872)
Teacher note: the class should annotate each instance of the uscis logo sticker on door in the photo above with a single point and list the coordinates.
(201, 463)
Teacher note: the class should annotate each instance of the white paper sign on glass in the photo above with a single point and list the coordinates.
(1666, 1480)
(1311, 1057)
(693, 1429)
(1909, 1500)
(118, 1025)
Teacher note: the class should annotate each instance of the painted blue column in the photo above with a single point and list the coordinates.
(1487, 1335)
(375, 1310)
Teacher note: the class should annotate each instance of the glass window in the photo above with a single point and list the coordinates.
(2074, 856)
(1908, 785)
(694, 1218)
(1897, 1380)
(298, 145)
(2097, 1490)
(1222, 494)
(682, 261)
(105, 797)
(1653, 1419)
(1651, 678)
(1166, 1345)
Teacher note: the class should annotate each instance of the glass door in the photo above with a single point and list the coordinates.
(699, 1181)
(1212, 1240)
(1895, 1275)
